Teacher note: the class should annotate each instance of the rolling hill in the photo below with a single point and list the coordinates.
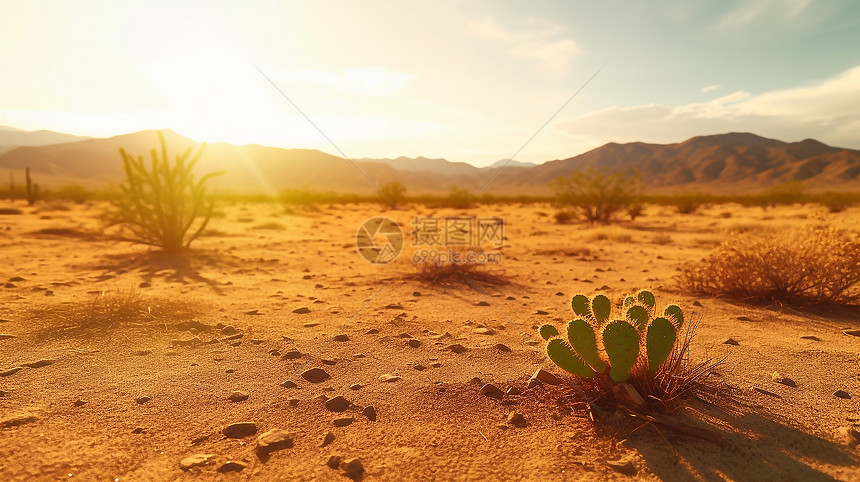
(718, 163)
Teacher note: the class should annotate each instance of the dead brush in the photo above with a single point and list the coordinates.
(818, 264)
(455, 267)
(104, 313)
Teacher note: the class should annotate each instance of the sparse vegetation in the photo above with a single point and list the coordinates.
(393, 194)
(636, 358)
(32, 189)
(454, 267)
(162, 205)
(595, 195)
(813, 265)
(564, 217)
(459, 198)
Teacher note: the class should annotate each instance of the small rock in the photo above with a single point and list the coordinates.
(696, 303)
(196, 460)
(625, 467)
(541, 312)
(328, 361)
(546, 377)
(516, 419)
(238, 396)
(229, 330)
(851, 332)
(352, 468)
(491, 391)
(334, 460)
(302, 311)
(484, 331)
(327, 439)
(79, 403)
(841, 394)
(40, 363)
(273, 440)
(416, 293)
(292, 355)
(779, 378)
(514, 391)
(337, 404)
(341, 337)
(289, 384)
(388, 377)
(343, 422)
(137, 430)
(370, 413)
(372, 331)
(404, 335)
(731, 341)
(232, 466)
(240, 430)
(456, 348)
(142, 352)
(413, 343)
(142, 400)
(186, 342)
(502, 347)
(355, 386)
(315, 375)
(419, 367)
(533, 382)
(810, 337)
(483, 303)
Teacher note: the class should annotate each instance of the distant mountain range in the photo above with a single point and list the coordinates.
(718, 163)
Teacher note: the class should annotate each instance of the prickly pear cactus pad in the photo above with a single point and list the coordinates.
(599, 343)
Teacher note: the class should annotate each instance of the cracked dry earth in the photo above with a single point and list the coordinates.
(199, 389)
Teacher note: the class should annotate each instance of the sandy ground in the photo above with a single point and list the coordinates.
(79, 418)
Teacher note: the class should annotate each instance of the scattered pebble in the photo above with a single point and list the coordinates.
(229, 330)
(491, 391)
(370, 413)
(546, 377)
(334, 460)
(416, 293)
(196, 460)
(142, 352)
(289, 384)
(625, 467)
(292, 355)
(779, 378)
(343, 422)
(315, 375)
(516, 419)
(275, 439)
(79, 403)
(413, 343)
(238, 396)
(355, 386)
(841, 394)
(388, 377)
(541, 312)
(484, 331)
(239, 430)
(337, 404)
(143, 399)
(232, 466)
(328, 361)
(731, 341)
(456, 348)
(514, 391)
(327, 439)
(419, 367)
(352, 468)
(302, 311)
(483, 303)
(810, 337)
(502, 347)
(341, 337)
(851, 332)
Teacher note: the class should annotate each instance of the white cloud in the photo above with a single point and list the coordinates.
(712, 87)
(828, 111)
(545, 47)
(749, 11)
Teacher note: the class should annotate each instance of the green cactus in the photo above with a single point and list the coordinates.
(562, 355)
(583, 341)
(548, 331)
(646, 298)
(580, 305)
(659, 342)
(621, 341)
(674, 314)
(638, 316)
(601, 308)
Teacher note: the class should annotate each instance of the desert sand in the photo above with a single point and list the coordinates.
(130, 402)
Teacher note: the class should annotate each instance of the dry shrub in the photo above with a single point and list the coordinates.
(106, 311)
(814, 265)
(453, 271)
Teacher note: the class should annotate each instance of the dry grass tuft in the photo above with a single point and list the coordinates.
(105, 312)
(455, 270)
(814, 265)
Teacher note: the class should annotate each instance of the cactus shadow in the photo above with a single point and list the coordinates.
(185, 268)
(755, 447)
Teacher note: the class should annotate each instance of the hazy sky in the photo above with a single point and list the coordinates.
(464, 80)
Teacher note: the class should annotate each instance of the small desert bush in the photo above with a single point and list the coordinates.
(162, 205)
(609, 236)
(813, 265)
(454, 267)
(595, 195)
(662, 239)
(635, 210)
(836, 202)
(688, 203)
(459, 198)
(563, 217)
(392, 194)
(271, 226)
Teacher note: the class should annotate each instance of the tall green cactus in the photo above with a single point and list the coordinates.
(32, 189)
(640, 325)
